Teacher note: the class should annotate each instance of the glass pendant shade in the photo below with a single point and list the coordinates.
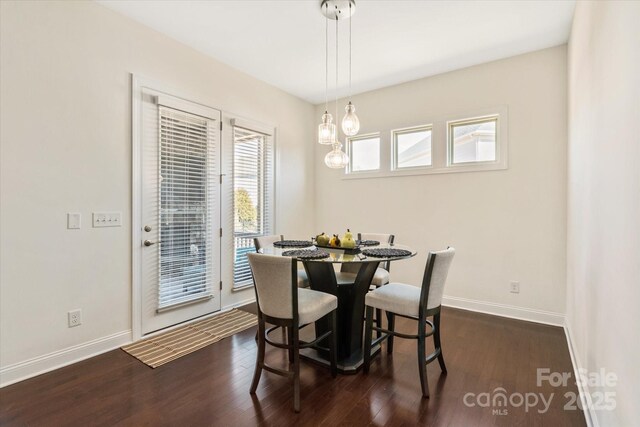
(327, 130)
(350, 122)
(336, 158)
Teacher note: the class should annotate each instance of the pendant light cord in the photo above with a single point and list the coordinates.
(337, 73)
(350, 19)
(326, 60)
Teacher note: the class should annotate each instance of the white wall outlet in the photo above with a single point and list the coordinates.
(514, 287)
(75, 318)
(74, 220)
(107, 219)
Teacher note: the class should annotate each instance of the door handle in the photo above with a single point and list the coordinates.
(149, 243)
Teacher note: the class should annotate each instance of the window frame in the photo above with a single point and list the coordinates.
(266, 180)
(394, 147)
(439, 146)
(349, 150)
(470, 121)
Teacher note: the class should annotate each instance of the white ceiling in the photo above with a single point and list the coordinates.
(282, 42)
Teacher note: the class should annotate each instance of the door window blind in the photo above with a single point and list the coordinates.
(252, 196)
(187, 192)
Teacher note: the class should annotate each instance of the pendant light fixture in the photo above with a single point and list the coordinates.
(326, 129)
(336, 158)
(350, 122)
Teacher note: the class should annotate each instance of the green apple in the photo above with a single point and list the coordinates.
(322, 239)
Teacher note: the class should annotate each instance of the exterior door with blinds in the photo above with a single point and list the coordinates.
(180, 244)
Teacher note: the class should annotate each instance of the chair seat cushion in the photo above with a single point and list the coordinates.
(395, 298)
(312, 305)
(303, 279)
(380, 278)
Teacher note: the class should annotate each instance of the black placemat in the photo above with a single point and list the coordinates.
(306, 254)
(367, 242)
(386, 252)
(292, 244)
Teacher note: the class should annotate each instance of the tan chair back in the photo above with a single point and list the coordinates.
(264, 241)
(273, 278)
(435, 277)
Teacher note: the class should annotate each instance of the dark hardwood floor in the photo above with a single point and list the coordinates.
(211, 386)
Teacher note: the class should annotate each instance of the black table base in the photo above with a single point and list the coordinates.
(350, 296)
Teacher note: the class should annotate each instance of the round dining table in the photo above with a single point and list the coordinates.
(349, 285)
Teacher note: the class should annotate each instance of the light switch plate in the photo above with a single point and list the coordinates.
(107, 219)
(74, 220)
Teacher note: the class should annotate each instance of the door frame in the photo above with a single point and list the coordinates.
(137, 84)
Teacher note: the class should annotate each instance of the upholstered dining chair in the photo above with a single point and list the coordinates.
(283, 304)
(417, 303)
(263, 241)
(381, 276)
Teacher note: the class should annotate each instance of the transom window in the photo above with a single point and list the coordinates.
(472, 140)
(364, 153)
(412, 148)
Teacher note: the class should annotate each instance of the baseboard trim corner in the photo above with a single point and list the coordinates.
(589, 413)
(20, 371)
(503, 310)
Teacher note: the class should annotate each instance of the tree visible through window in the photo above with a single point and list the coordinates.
(246, 210)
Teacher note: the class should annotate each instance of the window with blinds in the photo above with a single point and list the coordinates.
(187, 188)
(252, 196)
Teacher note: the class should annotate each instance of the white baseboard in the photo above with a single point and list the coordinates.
(583, 389)
(503, 310)
(239, 303)
(39, 365)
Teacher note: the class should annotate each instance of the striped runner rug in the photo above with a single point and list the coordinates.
(164, 348)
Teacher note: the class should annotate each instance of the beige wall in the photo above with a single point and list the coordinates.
(603, 257)
(66, 146)
(506, 225)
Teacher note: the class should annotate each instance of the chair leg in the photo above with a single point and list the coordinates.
(295, 343)
(391, 320)
(422, 359)
(259, 357)
(436, 341)
(368, 328)
(289, 342)
(378, 322)
(333, 347)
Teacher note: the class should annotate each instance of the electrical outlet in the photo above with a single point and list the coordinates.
(75, 318)
(515, 287)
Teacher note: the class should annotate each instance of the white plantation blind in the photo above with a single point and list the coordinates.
(253, 188)
(187, 191)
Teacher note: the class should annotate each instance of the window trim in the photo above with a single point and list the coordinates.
(471, 121)
(394, 147)
(439, 147)
(349, 141)
(268, 177)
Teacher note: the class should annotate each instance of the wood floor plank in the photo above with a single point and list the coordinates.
(211, 386)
